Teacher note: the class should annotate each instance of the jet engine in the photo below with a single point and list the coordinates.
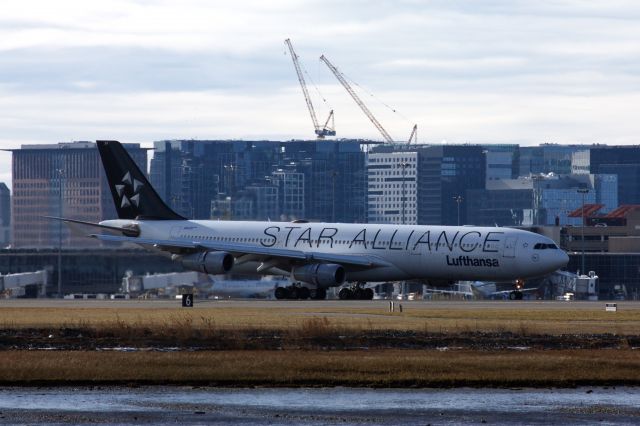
(209, 262)
(323, 275)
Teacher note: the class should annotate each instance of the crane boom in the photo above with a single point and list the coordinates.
(357, 99)
(414, 134)
(321, 132)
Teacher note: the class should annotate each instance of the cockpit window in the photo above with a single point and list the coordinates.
(543, 246)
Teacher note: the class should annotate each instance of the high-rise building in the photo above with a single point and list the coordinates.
(504, 202)
(547, 158)
(266, 201)
(62, 180)
(192, 175)
(502, 161)
(623, 161)
(443, 174)
(5, 215)
(335, 178)
(554, 197)
(580, 162)
(188, 175)
(392, 187)
(291, 194)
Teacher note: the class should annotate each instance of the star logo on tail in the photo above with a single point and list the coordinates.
(132, 186)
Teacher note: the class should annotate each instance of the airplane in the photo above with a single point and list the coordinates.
(263, 288)
(318, 255)
(482, 290)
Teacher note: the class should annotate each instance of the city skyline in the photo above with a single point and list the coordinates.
(503, 72)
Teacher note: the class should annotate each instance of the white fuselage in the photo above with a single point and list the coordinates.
(407, 251)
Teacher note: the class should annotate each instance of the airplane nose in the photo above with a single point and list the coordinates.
(563, 259)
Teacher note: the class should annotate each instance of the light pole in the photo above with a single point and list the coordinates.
(583, 191)
(60, 174)
(404, 166)
(458, 201)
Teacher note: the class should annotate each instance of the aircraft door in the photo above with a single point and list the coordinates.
(510, 247)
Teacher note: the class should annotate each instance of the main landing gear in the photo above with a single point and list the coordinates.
(299, 292)
(356, 292)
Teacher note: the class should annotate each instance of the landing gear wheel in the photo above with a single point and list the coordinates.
(293, 293)
(345, 294)
(321, 294)
(281, 293)
(358, 293)
(303, 293)
(368, 294)
(515, 295)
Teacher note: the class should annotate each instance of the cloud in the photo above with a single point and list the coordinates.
(464, 70)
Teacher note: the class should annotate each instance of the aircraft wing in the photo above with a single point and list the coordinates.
(522, 290)
(449, 292)
(246, 249)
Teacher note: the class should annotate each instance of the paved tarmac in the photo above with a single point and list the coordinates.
(317, 304)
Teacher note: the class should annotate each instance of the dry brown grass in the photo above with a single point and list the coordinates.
(560, 318)
(312, 322)
(303, 368)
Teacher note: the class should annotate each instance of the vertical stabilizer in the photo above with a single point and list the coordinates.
(132, 193)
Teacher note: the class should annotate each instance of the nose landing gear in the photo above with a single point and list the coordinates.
(517, 294)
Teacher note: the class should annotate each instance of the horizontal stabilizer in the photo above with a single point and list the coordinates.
(130, 231)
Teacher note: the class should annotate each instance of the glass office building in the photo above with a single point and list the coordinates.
(314, 180)
(623, 161)
(62, 180)
(548, 158)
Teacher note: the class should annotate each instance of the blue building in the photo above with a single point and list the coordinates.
(623, 161)
(554, 197)
(268, 178)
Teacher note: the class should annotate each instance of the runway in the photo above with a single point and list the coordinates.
(320, 305)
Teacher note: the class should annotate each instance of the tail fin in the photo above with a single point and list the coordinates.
(132, 193)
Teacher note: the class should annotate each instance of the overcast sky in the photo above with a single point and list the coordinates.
(564, 71)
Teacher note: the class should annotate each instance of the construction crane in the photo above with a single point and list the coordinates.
(355, 97)
(363, 107)
(413, 135)
(326, 129)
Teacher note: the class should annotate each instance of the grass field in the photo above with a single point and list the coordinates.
(297, 360)
(391, 368)
(560, 318)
